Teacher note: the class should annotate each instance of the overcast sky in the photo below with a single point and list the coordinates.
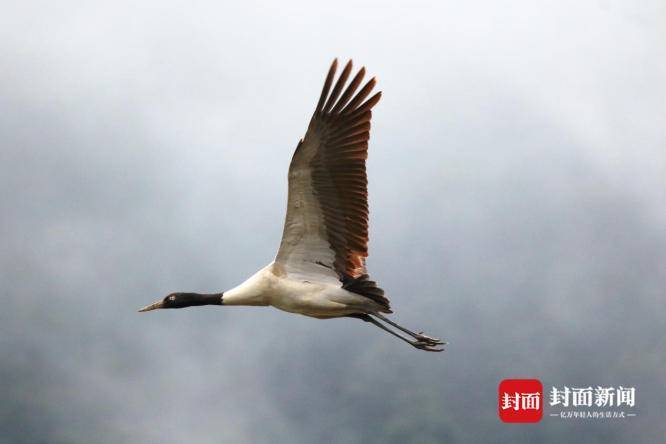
(517, 185)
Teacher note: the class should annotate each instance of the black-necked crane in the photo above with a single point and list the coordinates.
(319, 270)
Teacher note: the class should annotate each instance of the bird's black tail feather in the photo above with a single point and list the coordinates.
(365, 287)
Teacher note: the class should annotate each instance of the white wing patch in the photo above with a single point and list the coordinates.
(305, 251)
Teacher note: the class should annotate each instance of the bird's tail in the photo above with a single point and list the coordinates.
(365, 287)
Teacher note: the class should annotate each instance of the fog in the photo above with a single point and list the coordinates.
(517, 178)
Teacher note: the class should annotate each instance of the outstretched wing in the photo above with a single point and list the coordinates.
(326, 230)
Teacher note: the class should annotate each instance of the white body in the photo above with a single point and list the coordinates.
(272, 286)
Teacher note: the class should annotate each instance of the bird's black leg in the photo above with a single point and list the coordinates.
(421, 345)
(420, 337)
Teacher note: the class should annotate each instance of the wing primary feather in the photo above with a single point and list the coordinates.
(362, 94)
(327, 84)
(356, 118)
(349, 92)
(365, 107)
(351, 130)
(337, 89)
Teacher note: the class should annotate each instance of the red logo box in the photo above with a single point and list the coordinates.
(520, 400)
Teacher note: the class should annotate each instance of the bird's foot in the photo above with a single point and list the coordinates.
(427, 343)
(421, 338)
(427, 346)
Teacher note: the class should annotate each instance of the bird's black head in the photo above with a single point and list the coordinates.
(181, 300)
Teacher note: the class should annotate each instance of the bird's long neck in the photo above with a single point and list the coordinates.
(196, 299)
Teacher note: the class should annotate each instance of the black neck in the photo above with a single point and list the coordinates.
(195, 299)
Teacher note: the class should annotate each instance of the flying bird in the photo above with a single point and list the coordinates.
(320, 270)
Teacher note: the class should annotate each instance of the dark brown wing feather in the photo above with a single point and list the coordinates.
(338, 169)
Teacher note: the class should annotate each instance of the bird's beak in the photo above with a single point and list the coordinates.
(155, 306)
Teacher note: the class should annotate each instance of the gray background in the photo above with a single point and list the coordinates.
(517, 181)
